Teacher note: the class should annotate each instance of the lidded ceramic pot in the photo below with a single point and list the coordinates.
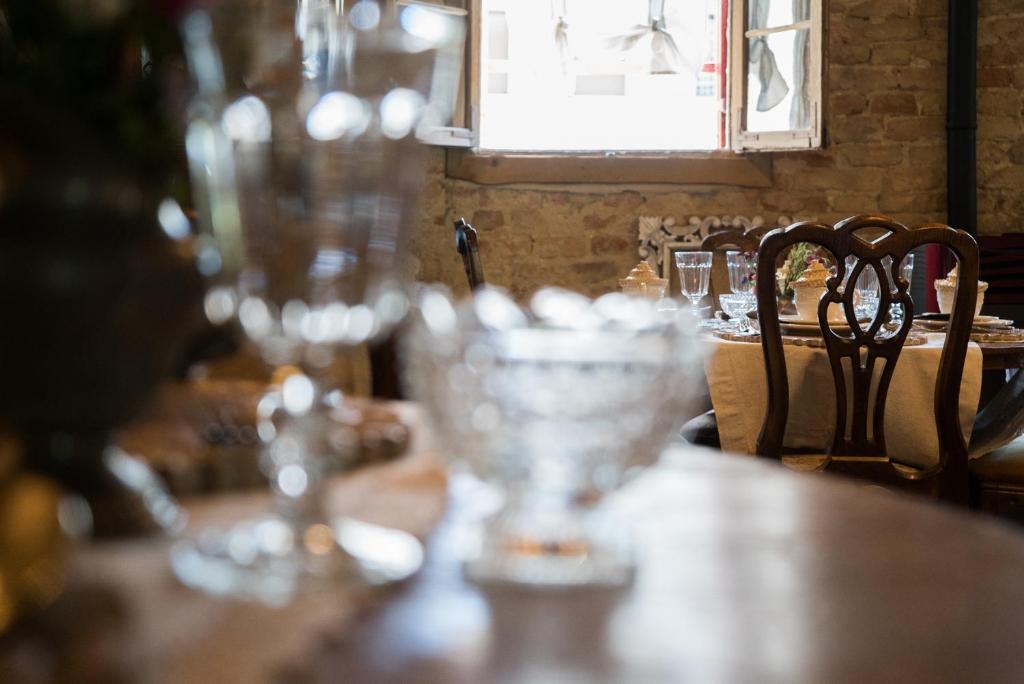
(808, 290)
(642, 281)
(945, 288)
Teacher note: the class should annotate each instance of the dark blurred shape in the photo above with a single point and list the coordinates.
(384, 367)
(79, 638)
(97, 298)
(467, 246)
(207, 343)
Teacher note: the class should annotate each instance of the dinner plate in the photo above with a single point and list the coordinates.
(982, 322)
(990, 322)
(802, 325)
(790, 319)
(931, 325)
(805, 327)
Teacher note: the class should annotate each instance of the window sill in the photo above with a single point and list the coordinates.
(694, 168)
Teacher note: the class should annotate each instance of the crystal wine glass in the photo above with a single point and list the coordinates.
(694, 277)
(742, 267)
(867, 289)
(907, 272)
(306, 169)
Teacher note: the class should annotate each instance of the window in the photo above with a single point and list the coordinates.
(778, 103)
(642, 76)
(599, 75)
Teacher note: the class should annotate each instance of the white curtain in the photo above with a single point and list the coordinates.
(800, 113)
(665, 55)
(558, 12)
(773, 84)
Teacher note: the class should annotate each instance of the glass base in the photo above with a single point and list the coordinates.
(544, 549)
(265, 559)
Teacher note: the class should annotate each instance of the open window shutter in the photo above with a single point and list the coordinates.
(460, 131)
(775, 71)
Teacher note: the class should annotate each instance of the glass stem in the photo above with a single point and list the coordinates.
(297, 453)
(301, 453)
(297, 476)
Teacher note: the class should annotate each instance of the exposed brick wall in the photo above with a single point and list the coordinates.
(1000, 120)
(886, 81)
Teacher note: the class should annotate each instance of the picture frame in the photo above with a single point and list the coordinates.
(660, 237)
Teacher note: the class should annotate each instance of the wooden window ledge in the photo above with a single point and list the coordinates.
(712, 168)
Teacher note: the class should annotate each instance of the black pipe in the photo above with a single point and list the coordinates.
(961, 116)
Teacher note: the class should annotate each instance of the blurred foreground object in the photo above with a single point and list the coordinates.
(303, 140)
(97, 294)
(552, 406)
(33, 547)
(202, 437)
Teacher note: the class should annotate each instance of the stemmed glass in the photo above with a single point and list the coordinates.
(741, 281)
(867, 289)
(867, 286)
(306, 170)
(694, 277)
(907, 272)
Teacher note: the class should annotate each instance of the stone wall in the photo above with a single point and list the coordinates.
(885, 84)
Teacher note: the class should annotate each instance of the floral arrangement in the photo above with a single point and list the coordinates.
(802, 255)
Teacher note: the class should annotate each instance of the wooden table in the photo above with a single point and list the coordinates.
(1002, 355)
(751, 574)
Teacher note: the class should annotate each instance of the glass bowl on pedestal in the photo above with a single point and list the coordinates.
(551, 406)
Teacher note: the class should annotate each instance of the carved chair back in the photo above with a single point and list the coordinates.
(718, 244)
(870, 353)
(760, 231)
(468, 249)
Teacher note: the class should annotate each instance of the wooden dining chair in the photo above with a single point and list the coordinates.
(859, 446)
(760, 231)
(718, 244)
(468, 248)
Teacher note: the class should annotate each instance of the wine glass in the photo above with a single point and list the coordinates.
(867, 289)
(694, 277)
(742, 269)
(907, 273)
(306, 169)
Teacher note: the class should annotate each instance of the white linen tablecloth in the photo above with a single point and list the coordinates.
(736, 379)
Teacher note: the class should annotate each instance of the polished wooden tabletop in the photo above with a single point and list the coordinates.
(750, 573)
(1002, 355)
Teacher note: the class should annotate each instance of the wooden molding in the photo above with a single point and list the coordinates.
(715, 168)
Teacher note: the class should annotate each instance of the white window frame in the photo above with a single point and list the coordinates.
(461, 132)
(464, 131)
(742, 139)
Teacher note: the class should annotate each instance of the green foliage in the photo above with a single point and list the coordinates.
(800, 256)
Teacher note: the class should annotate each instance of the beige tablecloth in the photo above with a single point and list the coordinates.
(735, 374)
